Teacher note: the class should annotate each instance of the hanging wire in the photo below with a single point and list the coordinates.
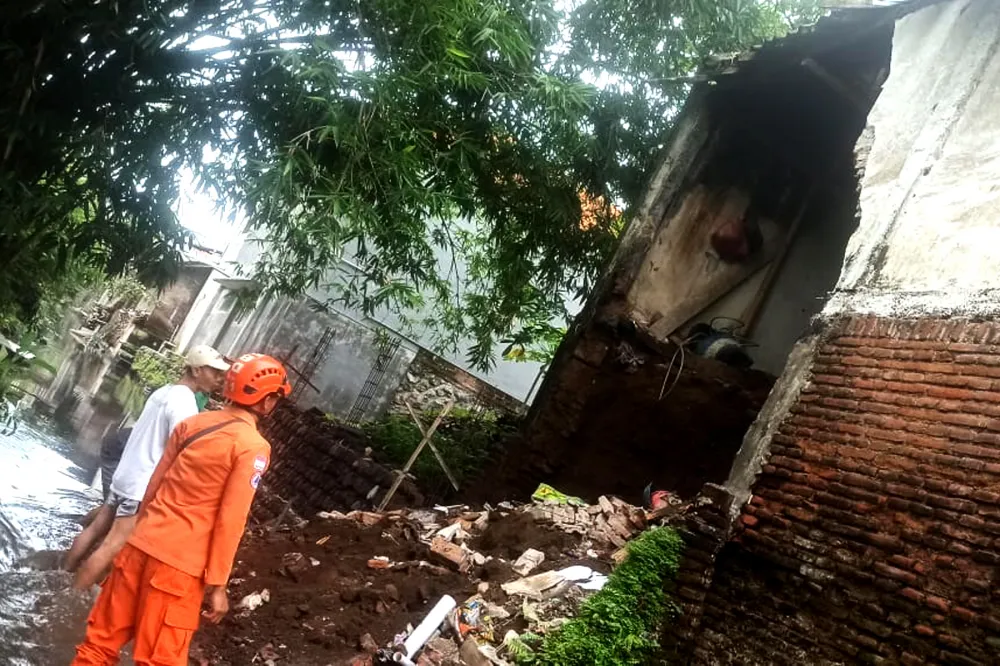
(681, 344)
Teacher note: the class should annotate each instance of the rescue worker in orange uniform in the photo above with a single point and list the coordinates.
(190, 524)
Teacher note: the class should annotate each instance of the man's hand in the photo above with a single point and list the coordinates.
(219, 602)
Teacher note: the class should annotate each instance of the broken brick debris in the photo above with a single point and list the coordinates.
(346, 587)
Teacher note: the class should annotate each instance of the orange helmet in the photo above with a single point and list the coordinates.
(254, 377)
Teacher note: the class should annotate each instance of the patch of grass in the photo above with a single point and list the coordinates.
(621, 624)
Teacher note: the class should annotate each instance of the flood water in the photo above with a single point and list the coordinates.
(42, 495)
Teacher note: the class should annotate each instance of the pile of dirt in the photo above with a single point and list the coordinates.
(345, 588)
(323, 596)
(628, 435)
(327, 600)
(507, 536)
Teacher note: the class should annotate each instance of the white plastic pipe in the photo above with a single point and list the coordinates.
(424, 630)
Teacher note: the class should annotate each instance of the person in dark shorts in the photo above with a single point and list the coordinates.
(111, 452)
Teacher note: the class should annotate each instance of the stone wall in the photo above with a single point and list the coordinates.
(321, 466)
(873, 532)
(430, 381)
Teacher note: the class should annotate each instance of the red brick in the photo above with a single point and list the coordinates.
(749, 521)
(913, 595)
(449, 553)
(951, 393)
(895, 573)
(924, 630)
(938, 604)
(965, 614)
(990, 622)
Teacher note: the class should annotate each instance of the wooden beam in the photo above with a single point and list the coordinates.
(401, 474)
(434, 450)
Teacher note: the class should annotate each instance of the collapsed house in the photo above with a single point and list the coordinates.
(833, 199)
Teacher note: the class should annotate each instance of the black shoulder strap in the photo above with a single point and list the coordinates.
(207, 431)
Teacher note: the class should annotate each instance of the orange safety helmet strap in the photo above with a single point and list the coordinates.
(253, 377)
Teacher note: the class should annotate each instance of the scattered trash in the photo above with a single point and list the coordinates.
(545, 585)
(547, 494)
(367, 571)
(533, 587)
(451, 532)
(470, 618)
(252, 602)
(379, 562)
(422, 633)
(497, 612)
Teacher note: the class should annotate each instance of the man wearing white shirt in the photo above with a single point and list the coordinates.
(204, 371)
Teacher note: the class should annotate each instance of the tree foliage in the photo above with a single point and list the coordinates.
(448, 148)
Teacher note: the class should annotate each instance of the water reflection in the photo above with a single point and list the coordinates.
(42, 493)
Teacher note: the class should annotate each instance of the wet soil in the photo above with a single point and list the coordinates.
(628, 436)
(317, 614)
(324, 597)
(509, 536)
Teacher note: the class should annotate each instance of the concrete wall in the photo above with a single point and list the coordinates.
(929, 239)
(803, 284)
(175, 302)
(870, 535)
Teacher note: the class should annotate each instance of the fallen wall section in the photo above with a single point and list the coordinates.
(319, 465)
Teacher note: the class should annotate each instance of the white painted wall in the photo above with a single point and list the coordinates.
(929, 235)
(209, 314)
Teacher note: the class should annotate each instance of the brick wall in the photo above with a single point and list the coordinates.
(321, 466)
(604, 403)
(873, 533)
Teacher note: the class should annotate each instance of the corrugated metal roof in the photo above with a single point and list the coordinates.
(839, 26)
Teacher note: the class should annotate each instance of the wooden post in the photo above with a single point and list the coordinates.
(400, 475)
(434, 450)
(751, 314)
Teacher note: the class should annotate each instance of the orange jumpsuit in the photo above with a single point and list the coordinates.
(192, 518)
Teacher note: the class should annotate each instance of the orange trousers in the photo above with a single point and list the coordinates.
(146, 600)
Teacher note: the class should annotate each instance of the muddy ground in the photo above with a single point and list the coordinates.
(325, 598)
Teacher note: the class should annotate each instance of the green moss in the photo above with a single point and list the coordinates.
(621, 624)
